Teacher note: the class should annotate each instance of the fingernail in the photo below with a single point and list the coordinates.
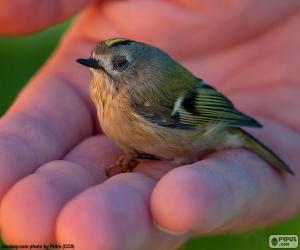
(175, 233)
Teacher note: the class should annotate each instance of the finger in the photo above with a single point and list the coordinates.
(231, 190)
(45, 192)
(198, 21)
(51, 115)
(40, 196)
(19, 17)
(95, 154)
(114, 215)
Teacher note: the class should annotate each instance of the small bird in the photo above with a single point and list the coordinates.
(154, 108)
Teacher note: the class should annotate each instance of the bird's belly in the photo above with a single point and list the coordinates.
(162, 142)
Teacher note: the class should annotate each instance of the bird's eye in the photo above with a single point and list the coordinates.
(120, 63)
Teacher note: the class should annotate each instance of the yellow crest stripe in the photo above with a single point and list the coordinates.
(110, 42)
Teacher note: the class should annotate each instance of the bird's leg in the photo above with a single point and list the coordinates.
(126, 163)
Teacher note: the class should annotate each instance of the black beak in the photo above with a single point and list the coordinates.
(89, 62)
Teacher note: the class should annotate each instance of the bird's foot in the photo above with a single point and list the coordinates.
(126, 163)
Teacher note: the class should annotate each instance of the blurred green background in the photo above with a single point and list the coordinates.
(21, 57)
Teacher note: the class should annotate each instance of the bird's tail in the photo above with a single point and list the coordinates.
(254, 145)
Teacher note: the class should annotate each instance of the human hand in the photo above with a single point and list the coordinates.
(252, 59)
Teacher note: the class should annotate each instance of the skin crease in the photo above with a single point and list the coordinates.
(253, 59)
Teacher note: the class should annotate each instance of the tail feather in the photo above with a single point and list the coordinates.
(263, 151)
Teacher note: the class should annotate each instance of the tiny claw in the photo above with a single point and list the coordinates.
(125, 164)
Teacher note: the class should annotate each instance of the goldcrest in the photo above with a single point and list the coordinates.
(154, 108)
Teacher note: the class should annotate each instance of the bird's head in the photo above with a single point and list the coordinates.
(128, 64)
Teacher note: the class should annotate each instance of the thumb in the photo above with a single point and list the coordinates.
(20, 17)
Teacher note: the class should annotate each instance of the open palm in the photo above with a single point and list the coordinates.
(52, 162)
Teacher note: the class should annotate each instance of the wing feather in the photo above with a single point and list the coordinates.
(201, 105)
